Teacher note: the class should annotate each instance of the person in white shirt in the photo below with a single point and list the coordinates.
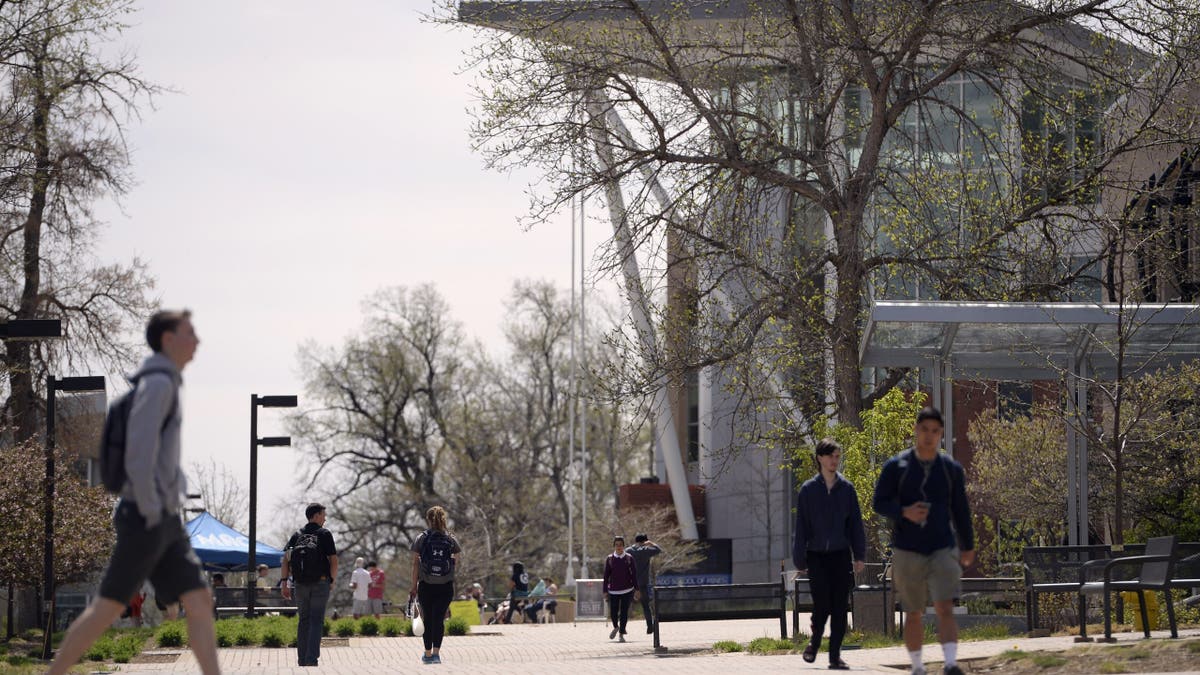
(360, 582)
(263, 581)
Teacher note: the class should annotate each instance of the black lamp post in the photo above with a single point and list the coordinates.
(54, 385)
(256, 402)
(26, 329)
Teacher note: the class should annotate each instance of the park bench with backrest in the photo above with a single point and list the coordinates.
(1155, 569)
(229, 601)
(719, 602)
(1057, 569)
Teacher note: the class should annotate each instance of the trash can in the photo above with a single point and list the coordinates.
(871, 612)
(1132, 607)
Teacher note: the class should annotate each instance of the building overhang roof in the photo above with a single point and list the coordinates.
(1030, 341)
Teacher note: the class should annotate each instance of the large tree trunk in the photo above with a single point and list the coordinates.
(848, 298)
(23, 404)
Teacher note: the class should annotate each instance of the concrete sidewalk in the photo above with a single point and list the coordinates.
(584, 649)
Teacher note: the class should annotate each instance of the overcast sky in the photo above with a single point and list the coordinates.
(312, 154)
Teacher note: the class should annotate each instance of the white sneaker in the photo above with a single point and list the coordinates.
(622, 638)
(613, 634)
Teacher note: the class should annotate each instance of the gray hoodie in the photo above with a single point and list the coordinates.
(155, 481)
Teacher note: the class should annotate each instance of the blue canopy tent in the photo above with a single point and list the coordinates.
(223, 549)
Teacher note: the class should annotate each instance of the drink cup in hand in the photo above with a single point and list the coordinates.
(924, 505)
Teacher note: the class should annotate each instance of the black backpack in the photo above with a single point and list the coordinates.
(437, 561)
(305, 559)
(116, 425)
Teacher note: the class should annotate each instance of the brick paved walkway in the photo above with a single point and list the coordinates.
(584, 649)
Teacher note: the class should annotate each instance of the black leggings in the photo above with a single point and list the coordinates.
(830, 578)
(435, 600)
(619, 609)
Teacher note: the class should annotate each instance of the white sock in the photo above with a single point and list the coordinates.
(916, 659)
(950, 650)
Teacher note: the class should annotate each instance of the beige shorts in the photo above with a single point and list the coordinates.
(922, 579)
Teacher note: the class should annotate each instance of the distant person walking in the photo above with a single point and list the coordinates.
(642, 551)
(518, 590)
(151, 540)
(435, 557)
(310, 561)
(924, 494)
(828, 535)
(620, 586)
(360, 585)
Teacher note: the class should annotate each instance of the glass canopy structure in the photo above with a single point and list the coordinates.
(1069, 342)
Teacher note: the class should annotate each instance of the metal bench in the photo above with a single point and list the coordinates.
(231, 601)
(1056, 569)
(720, 601)
(1156, 568)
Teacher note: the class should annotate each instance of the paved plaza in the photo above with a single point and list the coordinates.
(584, 648)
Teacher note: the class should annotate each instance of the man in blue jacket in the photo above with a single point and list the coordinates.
(829, 530)
(924, 494)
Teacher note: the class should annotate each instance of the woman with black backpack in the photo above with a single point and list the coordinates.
(435, 555)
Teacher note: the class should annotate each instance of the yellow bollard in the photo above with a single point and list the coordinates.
(1131, 607)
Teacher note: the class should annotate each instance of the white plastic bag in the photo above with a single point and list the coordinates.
(418, 623)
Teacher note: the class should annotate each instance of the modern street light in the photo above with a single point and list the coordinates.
(26, 329)
(89, 383)
(30, 329)
(256, 402)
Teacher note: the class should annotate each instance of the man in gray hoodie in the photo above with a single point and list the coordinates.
(151, 540)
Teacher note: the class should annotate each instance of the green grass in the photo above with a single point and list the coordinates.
(1014, 655)
(766, 645)
(1048, 660)
(1192, 647)
(1111, 668)
(727, 646)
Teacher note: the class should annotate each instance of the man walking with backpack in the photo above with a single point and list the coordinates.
(310, 560)
(923, 492)
(151, 540)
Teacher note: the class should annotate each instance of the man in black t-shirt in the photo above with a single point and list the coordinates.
(312, 588)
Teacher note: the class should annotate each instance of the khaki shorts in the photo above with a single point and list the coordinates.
(921, 579)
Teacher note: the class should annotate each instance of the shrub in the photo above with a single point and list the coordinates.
(326, 627)
(274, 637)
(984, 631)
(101, 649)
(17, 660)
(457, 625)
(226, 630)
(128, 644)
(727, 646)
(392, 627)
(368, 626)
(344, 627)
(171, 634)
